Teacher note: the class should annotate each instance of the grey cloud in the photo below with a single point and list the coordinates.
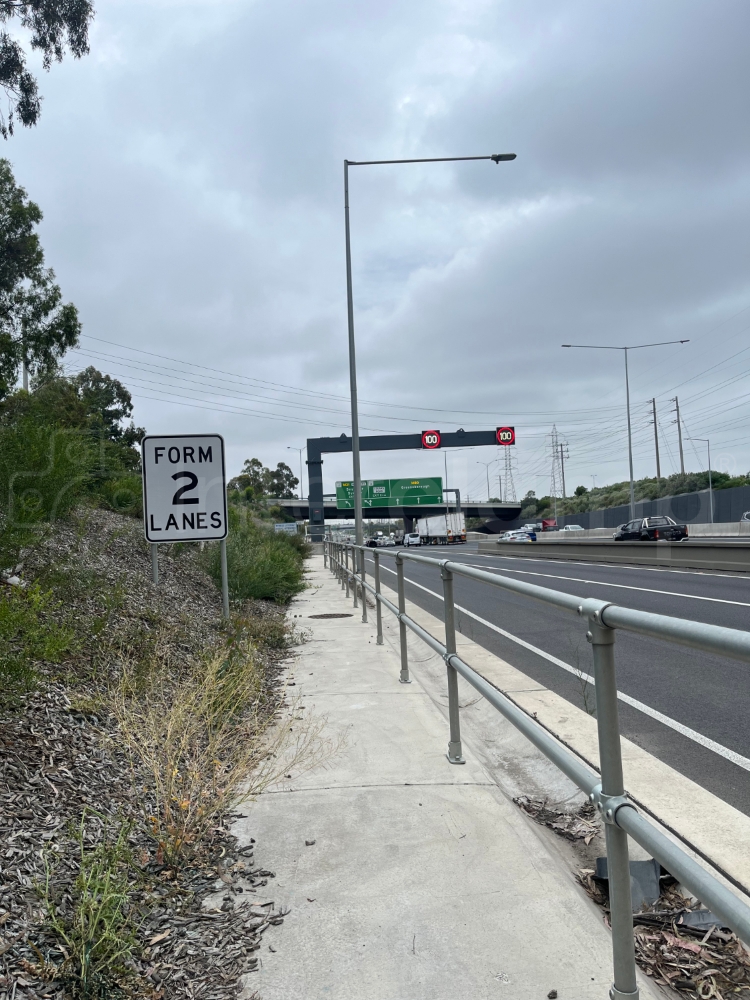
(190, 171)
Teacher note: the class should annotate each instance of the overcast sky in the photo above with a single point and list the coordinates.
(190, 170)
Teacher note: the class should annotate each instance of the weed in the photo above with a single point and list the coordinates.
(209, 742)
(588, 695)
(271, 630)
(91, 919)
(28, 633)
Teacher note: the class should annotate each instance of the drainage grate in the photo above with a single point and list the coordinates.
(335, 615)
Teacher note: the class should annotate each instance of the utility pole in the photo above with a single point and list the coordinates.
(634, 347)
(656, 442)
(554, 486)
(510, 486)
(679, 433)
(562, 468)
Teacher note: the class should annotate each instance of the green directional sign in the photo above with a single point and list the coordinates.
(391, 493)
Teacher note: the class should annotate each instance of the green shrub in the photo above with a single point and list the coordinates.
(260, 563)
(123, 495)
(44, 471)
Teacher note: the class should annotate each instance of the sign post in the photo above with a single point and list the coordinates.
(185, 494)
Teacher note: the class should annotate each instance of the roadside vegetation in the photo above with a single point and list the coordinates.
(260, 562)
(135, 722)
(133, 719)
(601, 497)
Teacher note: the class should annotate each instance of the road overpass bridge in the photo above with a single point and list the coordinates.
(502, 516)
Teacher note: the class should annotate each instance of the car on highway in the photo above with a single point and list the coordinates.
(651, 529)
(412, 539)
(371, 543)
(745, 516)
(572, 527)
(516, 536)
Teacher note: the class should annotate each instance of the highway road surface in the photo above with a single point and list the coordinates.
(687, 708)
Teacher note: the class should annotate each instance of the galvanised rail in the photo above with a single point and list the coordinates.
(607, 790)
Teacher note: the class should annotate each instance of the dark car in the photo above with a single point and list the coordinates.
(651, 529)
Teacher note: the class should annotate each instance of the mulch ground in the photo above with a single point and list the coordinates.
(200, 925)
(696, 963)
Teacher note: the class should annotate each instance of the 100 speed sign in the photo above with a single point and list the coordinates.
(184, 487)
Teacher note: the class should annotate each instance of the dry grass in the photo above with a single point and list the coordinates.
(211, 740)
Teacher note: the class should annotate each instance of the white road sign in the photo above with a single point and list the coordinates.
(184, 487)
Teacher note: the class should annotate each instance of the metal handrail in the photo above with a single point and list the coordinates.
(606, 791)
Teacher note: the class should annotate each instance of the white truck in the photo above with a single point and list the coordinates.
(442, 529)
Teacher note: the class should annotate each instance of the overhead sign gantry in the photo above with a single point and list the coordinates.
(429, 440)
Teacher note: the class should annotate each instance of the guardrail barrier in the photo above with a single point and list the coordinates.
(607, 790)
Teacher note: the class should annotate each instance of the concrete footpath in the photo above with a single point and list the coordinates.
(424, 882)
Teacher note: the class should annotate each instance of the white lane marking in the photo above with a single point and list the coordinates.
(621, 586)
(665, 720)
(646, 569)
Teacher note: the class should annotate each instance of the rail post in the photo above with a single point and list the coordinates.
(355, 570)
(378, 606)
(325, 553)
(362, 575)
(602, 640)
(404, 677)
(346, 570)
(154, 563)
(455, 752)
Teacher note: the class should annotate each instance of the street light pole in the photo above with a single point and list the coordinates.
(300, 450)
(710, 484)
(356, 473)
(487, 470)
(630, 437)
(635, 347)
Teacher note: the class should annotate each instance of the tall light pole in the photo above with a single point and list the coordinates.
(710, 485)
(356, 474)
(635, 347)
(487, 470)
(300, 450)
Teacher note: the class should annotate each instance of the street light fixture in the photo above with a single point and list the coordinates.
(635, 347)
(356, 475)
(710, 485)
(300, 450)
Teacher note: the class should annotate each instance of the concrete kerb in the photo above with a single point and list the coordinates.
(424, 881)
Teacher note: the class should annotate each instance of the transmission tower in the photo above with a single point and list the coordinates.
(559, 452)
(510, 489)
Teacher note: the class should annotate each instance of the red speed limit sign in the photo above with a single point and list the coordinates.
(431, 439)
(505, 435)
